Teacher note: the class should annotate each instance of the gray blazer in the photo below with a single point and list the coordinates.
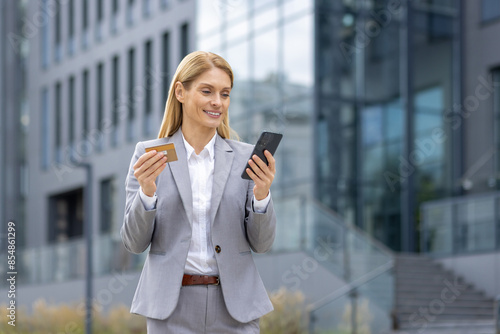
(236, 229)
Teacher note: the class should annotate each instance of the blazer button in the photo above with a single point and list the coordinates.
(217, 249)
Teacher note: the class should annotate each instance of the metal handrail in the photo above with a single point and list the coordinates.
(325, 218)
(349, 287)
(450, 206)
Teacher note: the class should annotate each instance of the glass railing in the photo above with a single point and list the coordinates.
(66, 260)
(364, 265)
(461, 225)
(303, 225)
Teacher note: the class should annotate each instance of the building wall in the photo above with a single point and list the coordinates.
(12, 98)
(481, 131)
(57, 173)
(270, 47)
(378, 95)
(482, 270)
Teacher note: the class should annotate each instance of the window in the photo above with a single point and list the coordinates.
(57, 121)
(66, 216)
(115, 94)
(116, 6)
(71, 111)
(100, 101)
(45, 140)
(85, 15)
(495, 76)
(100, 10)
(71, 27)
(165, 69)
(146, 8)
(114, 17)
(85, 23)
(490, 9)
(57, 32)
(107, 201)
(100, 18)
(85, 104)
(45, 43)
(165, 3)
(130, 12)
(148, 100)
(130, 92)
(184, 40)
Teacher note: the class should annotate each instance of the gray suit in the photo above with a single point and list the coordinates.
(236, 229)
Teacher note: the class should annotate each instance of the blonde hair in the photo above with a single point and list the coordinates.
(190, 68)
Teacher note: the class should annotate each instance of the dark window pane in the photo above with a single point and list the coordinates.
(71, 110)
(57, 117)
(107, 204)
(184, 39)
(66, 216)
(491, 9)
(100, 10)
(85, 103)
(165, 69)
(85, 14)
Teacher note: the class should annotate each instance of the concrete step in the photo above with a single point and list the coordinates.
(425, 290)
(448, 311)
(455, 327)
(478, 304)
(409, 291)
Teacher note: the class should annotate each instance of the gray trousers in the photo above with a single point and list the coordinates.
(201, 310)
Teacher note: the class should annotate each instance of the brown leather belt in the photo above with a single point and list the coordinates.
(200, 280)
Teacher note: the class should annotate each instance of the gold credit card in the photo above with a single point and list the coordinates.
(167, 149)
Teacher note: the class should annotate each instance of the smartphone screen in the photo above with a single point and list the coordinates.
(267, 141)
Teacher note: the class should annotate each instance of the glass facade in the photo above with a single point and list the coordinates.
(490, 10)
(270, 48)
(380, 106)
(360, 105)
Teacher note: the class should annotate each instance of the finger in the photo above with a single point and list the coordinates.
(150, 171)
(256, 169)
(149, 167)
(158, 170)
(262, 165)
(271, 160)
(256, 179)
(261, 179)
(264, 171)
(149, 160)
(143, 158)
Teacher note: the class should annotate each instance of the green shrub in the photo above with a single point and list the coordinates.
(289, 317)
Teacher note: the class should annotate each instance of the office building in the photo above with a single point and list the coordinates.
(388, 110)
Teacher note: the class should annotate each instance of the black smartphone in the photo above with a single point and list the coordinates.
(267, 141)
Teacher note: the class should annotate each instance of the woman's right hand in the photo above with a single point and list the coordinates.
(147, 168)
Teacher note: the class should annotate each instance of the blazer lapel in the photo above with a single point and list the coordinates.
(180, 172)
(222, 168)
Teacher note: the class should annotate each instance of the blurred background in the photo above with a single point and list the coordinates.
(387, 190)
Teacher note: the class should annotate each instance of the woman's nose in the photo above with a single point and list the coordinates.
(216, 100)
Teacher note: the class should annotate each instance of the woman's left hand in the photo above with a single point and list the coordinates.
(262, 174)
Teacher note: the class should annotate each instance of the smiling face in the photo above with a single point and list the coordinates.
(205, 101)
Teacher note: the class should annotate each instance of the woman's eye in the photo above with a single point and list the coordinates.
(225, 95)
(205, 91)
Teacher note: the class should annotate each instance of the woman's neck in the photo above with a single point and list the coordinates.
(197, 138)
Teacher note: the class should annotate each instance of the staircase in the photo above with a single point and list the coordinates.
(432, 300)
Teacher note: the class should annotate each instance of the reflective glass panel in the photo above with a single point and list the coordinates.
(298, 52)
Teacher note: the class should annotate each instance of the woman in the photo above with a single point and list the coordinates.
(198, 216)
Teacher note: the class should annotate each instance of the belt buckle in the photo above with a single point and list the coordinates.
(218, 281)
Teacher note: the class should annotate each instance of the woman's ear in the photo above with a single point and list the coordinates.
(179, 91)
